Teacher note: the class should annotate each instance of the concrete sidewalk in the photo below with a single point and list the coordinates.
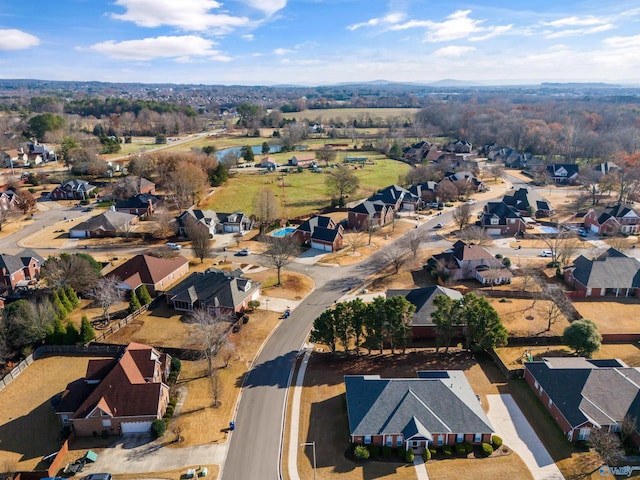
(421, 468)
(292, 464)
(516, 432)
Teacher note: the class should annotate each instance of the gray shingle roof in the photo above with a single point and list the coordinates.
(423, 299)
(108, 221)
(611, 270)
(137, 201)
(443, 403)
(370, 207)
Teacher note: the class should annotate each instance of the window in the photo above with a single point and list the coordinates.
(440, 440)
(477, 437)
(494, 221)
(398, 441)
(64, 418)
(106, 423)
(389, 441)
(367, 439)
(460, 438)
(584, 433)
(536, 384)
(550, 403)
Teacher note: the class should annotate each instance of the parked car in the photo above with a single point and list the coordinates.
(545, 253)
(244, 252)
(470, 202)
(174, 246)
(98, 476)
(438, 225)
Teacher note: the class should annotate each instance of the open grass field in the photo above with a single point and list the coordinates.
(325, 115)
(524, 317)
(303, 193)
(295, 286)
(611, 314)
(29, 429)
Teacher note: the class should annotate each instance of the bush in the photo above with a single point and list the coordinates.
(176, 364)
(361, 453)
(432, 451)
(467, 447)
(173, 376)
(173, 402)
(143, 295)
(496, 441)
(447, 451)
(71, 334)
(506, 261)
(426, 455)
(158, 427)
(409, 456)
(374, 450)
(498, 256)
(486, 449)
(460, 448)
(386, 451)
(253, 304)
(170, 410)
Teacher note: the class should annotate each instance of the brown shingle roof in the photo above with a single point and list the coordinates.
(146, 269)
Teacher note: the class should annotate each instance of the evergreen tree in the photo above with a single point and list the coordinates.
(134, 303)
(68, 305)
(72, 296)
(58, 334)
(324, 330)
(87, 333)
(484, 328)
(71, 334)
(143, 295)
(61, 311)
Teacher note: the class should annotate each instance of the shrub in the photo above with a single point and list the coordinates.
(426, 455)
(158, 427)
(409, 456)
(253, 304)
(447, 451)
(432, 451)
(486, 449)
(143, 295)
(134, 303)
(173, 402)
(361, 452)
(498, 256)
(170, 410)
(71, 334)
(374, 450)
(386, 451)
(506, 261)
(176, 364)
(468, 448)
(496, 441)
(460, 448)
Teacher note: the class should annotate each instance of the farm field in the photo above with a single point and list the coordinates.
(304, 193)
(324, 115)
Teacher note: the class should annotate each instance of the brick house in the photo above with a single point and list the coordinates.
(528, 203)
(499, 218)
(157, 274)
(320, 232)
(369, 213)
(437, 408)
(581, 394)
(469, 261)
(74, 189)
(612, 273)
(620, 218)
(146, 186)
(107, 224)
(116, 396)
(206, 219)
(397, 198)
(142, 204)
(21, 269)
(8, 199)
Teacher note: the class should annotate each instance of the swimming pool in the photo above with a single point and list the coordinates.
(283, 232)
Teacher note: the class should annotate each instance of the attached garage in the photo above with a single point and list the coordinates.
(135, 427)
(321, 246)
(494, 231)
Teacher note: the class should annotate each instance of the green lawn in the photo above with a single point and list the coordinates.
(305, 192)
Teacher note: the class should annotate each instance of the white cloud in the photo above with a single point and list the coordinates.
(181, 47)
(269, 7)
(282, 51)
(623, 42)
(188, 15)
(578, 31)
(577, 21)
(248, 37)
(12, 39)
(493, 32)
(453, 51)
(391, 19)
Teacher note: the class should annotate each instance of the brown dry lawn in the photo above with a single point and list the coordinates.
(212, 472)
(29, 429)
(524, 317)
(324, 420)
(410, 275)
(611, 314)
(507, 467)
(538, 243)
(295, 286)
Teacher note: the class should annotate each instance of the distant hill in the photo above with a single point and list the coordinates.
(579, 85)
(448, 82)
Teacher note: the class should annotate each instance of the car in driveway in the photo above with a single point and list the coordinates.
(244, 252)
(98, 476)
(174, 246)
(545, 253)
(470, 202)
(438, 225)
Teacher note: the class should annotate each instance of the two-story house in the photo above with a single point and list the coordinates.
(620, 218)
(498, 218)
(320, 232)
(467, 261)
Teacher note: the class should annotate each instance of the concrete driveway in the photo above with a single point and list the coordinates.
(516, 432)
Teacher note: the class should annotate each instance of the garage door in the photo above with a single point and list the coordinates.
(493, 231)
(321, 246)
(594, 228)
(135, 427)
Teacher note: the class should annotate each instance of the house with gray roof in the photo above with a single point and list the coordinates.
(467, 261)
(206, 219)
(320, 232)
(21, 269)
(564, 173)
(234, 222)
(613, 219)
(612, 273)
(396, 197)
(218, 291)
(422, 325)
(374, 213)
(582, 394)
(500, 218)
(529, 203)
(74, 189)
(437, 408)
(107, 224)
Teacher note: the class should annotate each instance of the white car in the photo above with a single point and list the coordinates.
(244, 252)
(470, 202)
(545, 253)
(173, 246)
(438, 225)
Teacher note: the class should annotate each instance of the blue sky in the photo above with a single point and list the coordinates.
(315, 42)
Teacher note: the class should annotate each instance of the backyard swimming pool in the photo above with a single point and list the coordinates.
(283, 232)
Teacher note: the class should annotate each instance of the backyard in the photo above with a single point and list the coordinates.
(611, 314)
(528, 318)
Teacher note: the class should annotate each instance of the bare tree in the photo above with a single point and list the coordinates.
(567, 247)
(462, 215)
(555, 242)
(200, 238)
(496, 171)
(355, 240)
(555, 301)
(281, 253)
(369, 226)
(628, 427)
(326, 155)
(342, 182)
(413, 242)
(266, 207)
(4, 217)
(165, 223)
(25, 201)
(527, 271)
(226, 352)
(215, 388)
(209, 332)
(446, 191)
(126, 187)
(107, 294)
(396, 257)
(72, 270)
(606, 444)
(126, 229)
(187, 185)
(476, 235)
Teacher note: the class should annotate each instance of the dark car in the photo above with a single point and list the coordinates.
(98, 476)
(244, 252)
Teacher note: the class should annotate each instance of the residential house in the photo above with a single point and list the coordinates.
(303, 160)
(107, 224)
(417, 152)
(142, 204)
(74, 189)
(206, 219)
(621, 218)
(422, 325)
(434, 154)
(269, 163)
(437, 408)
(320, 232)
(146, 186)
(612, 273)
(19, 270)
(369, 214)
(234, 222)
(582, 394)
(476, 184)
(117, 396)
(605, 168)
(564, 173)
(38, 153)
(218, 291)
(156, 274)
(467, 261)
(8, 199)
(425, 192)
(459, 146)
(14, 158)
(528, 203)
(499, 218)
(397, 198)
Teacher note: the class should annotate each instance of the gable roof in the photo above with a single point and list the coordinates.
(325, 234)
(77, 185)
(469, 251)
(316, 221)
(390, 195)
(141, 200)
(369, 207)
(214, 287)
(499, 210)
(145, 269)
(15, 263)
(436, 402)
(582, 389)
(619, 210)
(613, 269)
(564, 170)
(108, 221)
(206, 217)
(422, 299)
(421, 188)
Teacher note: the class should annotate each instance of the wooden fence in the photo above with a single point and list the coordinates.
(115, 326)
(17, 370)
